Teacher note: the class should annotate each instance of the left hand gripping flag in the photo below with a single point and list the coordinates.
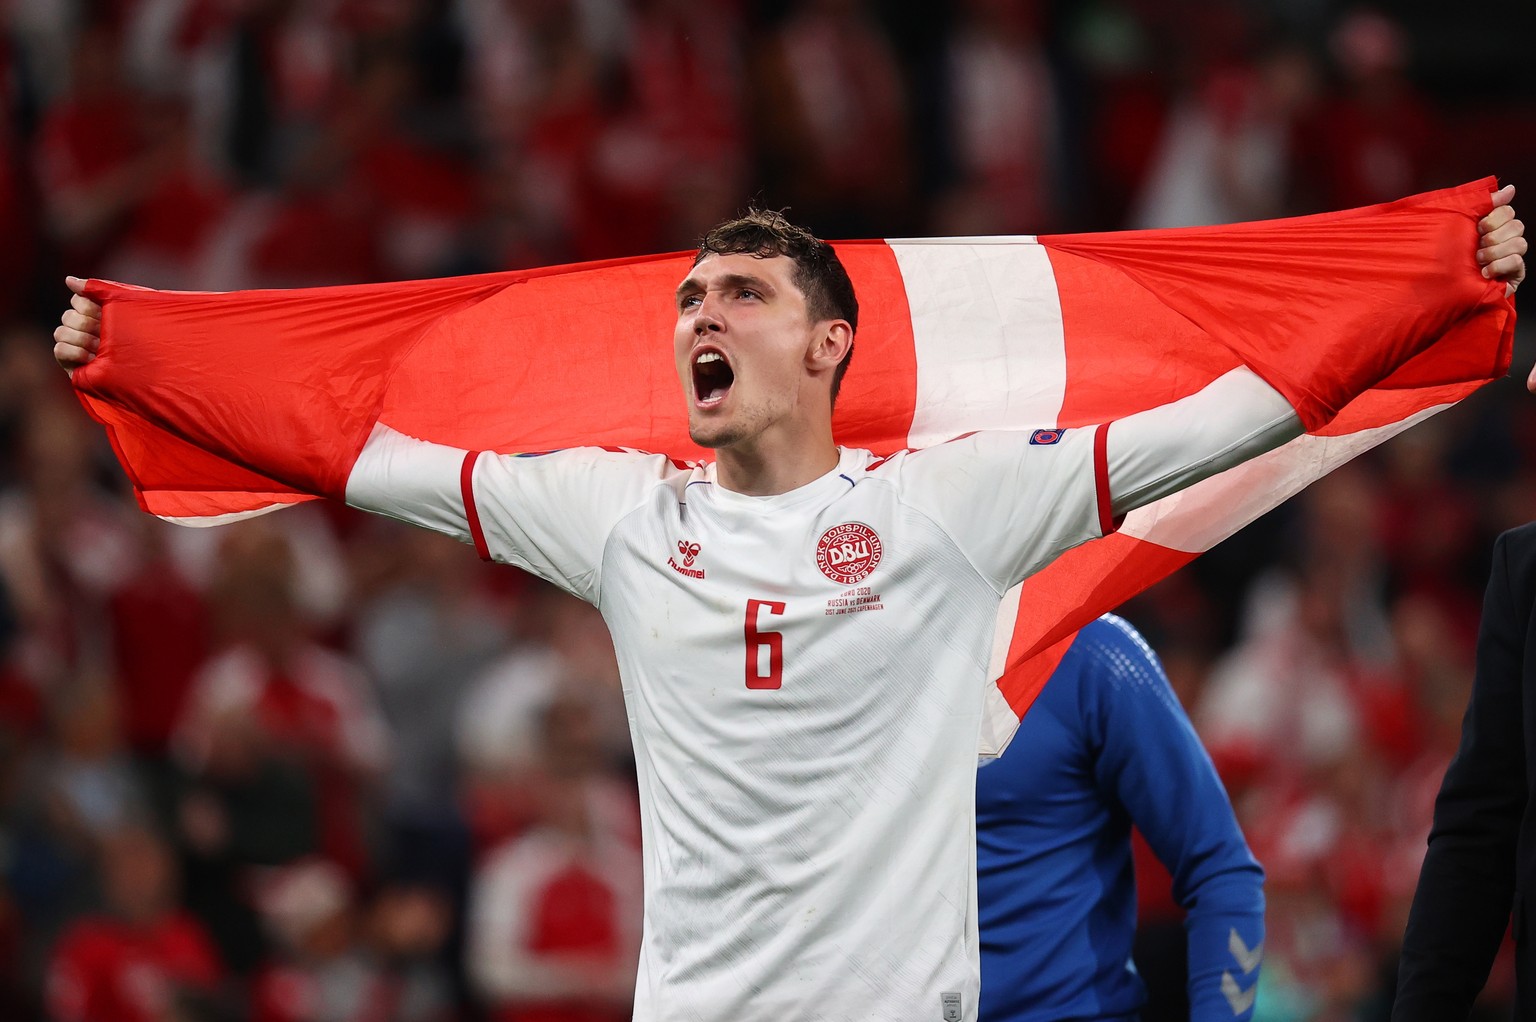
(1367, 320)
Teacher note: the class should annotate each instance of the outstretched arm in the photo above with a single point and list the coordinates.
(1237, 417)
(548, 515)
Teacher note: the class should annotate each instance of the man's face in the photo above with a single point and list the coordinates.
(742, 339)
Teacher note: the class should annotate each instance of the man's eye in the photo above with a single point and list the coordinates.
(747, 292)
(689, 301)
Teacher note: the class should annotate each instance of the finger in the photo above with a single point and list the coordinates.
(1493, 253)
(1504, 196)
(1513, 229)
(83, 324)
(70, 356)
(1509, 268)
(91, 310)
(1498, 218)
(75, 284)
(77, 338)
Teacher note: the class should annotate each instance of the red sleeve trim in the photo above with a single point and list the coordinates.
(471, 513)
(1107, 522)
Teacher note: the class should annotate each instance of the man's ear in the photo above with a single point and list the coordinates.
(833, 339)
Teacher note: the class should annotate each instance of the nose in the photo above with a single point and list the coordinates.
(707, 319)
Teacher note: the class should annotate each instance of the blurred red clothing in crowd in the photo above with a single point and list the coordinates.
(142, 960)
(108, 970)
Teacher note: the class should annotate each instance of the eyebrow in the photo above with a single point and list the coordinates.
(693, 285)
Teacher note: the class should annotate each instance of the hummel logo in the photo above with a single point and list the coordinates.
(688, 551)
(1239, 999)
(1248, 959)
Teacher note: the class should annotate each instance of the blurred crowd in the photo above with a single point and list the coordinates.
(318, 767)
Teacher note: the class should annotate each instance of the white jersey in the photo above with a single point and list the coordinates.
(804, 676)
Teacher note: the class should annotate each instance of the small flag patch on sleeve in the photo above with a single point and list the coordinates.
(1045, 437)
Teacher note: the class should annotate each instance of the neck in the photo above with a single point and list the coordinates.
(776, 463)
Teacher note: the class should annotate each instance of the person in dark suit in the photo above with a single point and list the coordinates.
(1479, 875)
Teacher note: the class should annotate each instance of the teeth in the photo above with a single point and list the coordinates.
(709, 356)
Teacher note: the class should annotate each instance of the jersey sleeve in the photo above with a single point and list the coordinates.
(1012, 501)
(1156, 452)
(1149, 760)
(549, 514)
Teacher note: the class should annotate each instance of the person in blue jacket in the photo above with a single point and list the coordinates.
(1107, 746)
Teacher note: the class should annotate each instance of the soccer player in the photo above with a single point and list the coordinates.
(804, 631)
(1106, 746)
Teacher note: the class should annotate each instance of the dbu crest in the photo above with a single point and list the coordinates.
(689, 552)
(847, 553)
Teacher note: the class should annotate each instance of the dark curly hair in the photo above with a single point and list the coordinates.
(819, 274)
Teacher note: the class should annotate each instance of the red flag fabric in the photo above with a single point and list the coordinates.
(222, 405)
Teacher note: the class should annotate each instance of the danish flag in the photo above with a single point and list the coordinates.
(1368, 320)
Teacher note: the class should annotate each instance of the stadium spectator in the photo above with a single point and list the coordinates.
(313, 705)
(64, 543)
(832, 108)
(141, 960)
(1228, 152)
(1377, 137)
(567, 649)
(1310, 628)
(423, 635)
(160, 636)
(1002, 114)
(339, 960)
(553, 934)
(89, 783)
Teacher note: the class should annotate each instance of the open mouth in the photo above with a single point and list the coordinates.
(712, 376)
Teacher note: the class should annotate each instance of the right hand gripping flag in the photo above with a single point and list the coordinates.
(1368, 320)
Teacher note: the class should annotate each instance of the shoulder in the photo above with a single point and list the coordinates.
(620, 458)
(1113, 646)
(1517, 545)
(603, 467)
(1512, 573)
(1107, 653)
(1115, 660)
(977, 462)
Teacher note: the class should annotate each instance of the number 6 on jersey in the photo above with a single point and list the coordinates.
(757, 641)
